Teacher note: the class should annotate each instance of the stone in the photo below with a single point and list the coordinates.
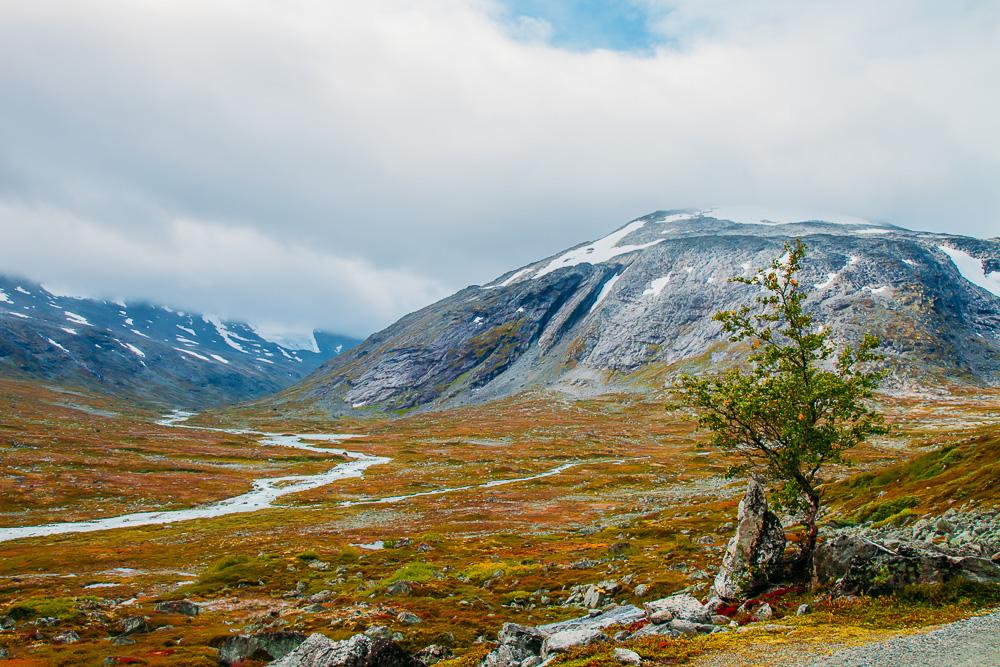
(122, 641)
(515, 644)
(379, 632)
(683, 607)
(996, 557)
(855, 565)
(719, 619)
(802, 610)
(561, 642)
(399, 588)
(8, 624)
(764, 612)
(4, 653)
(185, 607)
(68, 637)
(408, 617)
(260, 646)
(132, 625)
(753, 555)
(642, 589)
(434, 654)
(687, 627)
(662, 616)
(358, 651)
(624, 656)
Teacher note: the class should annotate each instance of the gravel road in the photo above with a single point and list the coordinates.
(973, 642)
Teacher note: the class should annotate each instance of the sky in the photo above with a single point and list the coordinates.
(307, 163)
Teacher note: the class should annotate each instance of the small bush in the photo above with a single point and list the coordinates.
(62, 608)
(956, 591)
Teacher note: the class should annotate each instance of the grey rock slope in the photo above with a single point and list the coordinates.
(139, 350)
(636, 305)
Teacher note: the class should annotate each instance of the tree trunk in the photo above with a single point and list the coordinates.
(802, 567)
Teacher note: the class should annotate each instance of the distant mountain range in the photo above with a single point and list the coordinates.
(634, 307)
(145, 351)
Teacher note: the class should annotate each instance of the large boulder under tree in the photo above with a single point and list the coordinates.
(854, 564)
(753, 556)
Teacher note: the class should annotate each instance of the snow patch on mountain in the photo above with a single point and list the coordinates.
(972, 270)
(292, 340)
(605, 291)
(657, 286)
(4, 298)
(77, 319)
(599, 251)
(761, 215)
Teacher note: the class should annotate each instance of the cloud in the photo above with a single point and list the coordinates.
(422, 146)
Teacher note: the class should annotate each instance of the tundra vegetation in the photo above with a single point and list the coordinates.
(649, 506)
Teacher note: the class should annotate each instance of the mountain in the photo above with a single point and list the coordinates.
(148, 352)
(635, 306)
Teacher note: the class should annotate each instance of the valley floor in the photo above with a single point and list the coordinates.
(618, 488)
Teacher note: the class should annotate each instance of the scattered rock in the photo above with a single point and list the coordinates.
(661, 616)
(408, 617)
(68, 637)
(803, 610)
(379, 632)
(681, 607)
(764, 612)
(185, 607)
(642, 589)
(358, 651)
(753, 555)
(434, 654)
(122, 641)
(260, 646)
(561, 642)
(8, 624)
(399, 588)
(515, 644)
(624, 656)
(4, 653)
(132, 625)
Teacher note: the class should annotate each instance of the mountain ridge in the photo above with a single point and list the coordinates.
(604, 312)
(149, 352)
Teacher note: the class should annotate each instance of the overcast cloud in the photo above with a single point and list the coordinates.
(337, 164)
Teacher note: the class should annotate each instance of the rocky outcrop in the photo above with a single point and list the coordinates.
(753, 556)
(261, 646)
(515, 644)
(185, 607)
(854, 565)
(358, 651)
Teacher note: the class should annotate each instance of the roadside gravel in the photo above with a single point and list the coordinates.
(972, 642)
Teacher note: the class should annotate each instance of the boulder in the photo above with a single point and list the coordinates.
(515, 644)
(185, 607)
(681, 607)
(8, 624)
(408, 617)
(753, 555)
(434, 654)
(624, 656)
(855, 565)
(132, 625)
(260, 646)
(566, 640)
(68, 637)
(358, 651)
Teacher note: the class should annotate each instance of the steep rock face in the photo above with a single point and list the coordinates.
(638, 304)
(753, 555)
(145, 351)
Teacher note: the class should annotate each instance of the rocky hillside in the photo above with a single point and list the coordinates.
(637, 304)
(149, 352)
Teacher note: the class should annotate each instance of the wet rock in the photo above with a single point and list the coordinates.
(260, 646)
(566, 640)
(624, 656)
(68, 637)
(753, 555)
(132, 625)
(515, 644)
(185, 607)
(682, 607)
(434, 654)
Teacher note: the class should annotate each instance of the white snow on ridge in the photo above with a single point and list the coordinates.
(187, 329)
(605, 290)
(58, 345)
(514, 277)
(77, 319)
(225, 333)
(599, 251)
(218, 358)
(22, 290)
(21, 315)
(873, 230)
(972, 270)
(71, 332)
(4, 298)
(192, 353)
(291, 340)
(131, 348)
(657, 286)
(830, 277)
(760, 215)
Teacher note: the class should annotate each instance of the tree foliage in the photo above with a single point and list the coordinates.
(799, 404)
